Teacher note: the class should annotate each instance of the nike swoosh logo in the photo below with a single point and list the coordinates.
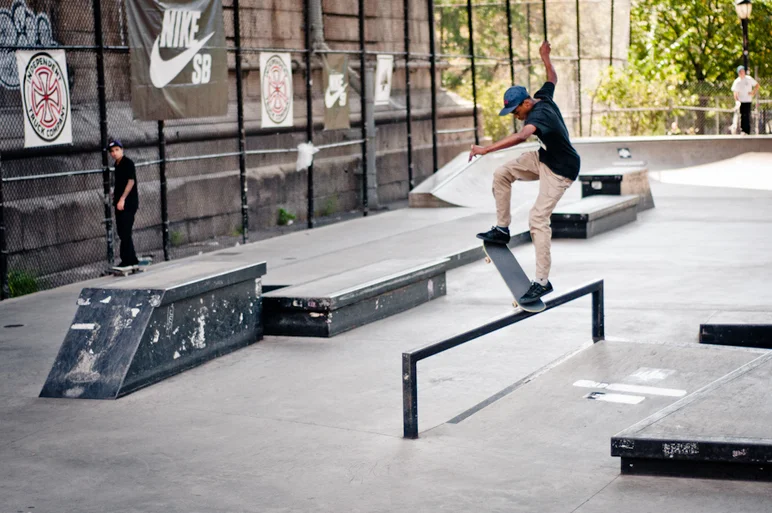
(331, 98)
(162, 72)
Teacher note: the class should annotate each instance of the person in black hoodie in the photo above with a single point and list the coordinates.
(125, 201)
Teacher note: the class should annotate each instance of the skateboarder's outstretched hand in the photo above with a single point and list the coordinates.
(476, 150)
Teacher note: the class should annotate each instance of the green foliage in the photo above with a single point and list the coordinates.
(700, 38)
(330, 206)
(176, 239)
(626, 89)
(21, 283)
(285, 217)
(679, 50)
(237, 231)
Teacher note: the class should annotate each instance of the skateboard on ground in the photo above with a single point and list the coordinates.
(131, 269)
(513, 274)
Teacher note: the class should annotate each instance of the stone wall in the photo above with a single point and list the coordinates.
(57, 224)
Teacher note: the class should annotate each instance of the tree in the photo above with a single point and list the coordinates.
(702, 38)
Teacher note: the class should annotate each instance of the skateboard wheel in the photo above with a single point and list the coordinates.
(487, 260)
(514, 303)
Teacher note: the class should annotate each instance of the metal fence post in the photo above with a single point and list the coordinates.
(406, 24)
(470, 24)
(102, 97)
(409, 396)
(5, 291)
(433, 71)
(611, 39)
(164, 193)
(528, 41)
(579, 67)
(363, 103)
(511, 54)
(242, 131)
(598, 315)
(309, 110)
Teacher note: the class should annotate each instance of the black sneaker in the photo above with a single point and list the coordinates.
(495, 235)
(535, 292)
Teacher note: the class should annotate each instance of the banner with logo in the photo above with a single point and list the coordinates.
(276, 89)
(336, 85)
(383, 74)
(45, 97)
(179, 67)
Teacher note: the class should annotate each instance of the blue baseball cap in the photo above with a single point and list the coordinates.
(112, 143)
(740, 68)
(513, 98)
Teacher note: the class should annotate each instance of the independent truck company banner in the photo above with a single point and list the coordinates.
(178, 59)
(276, 87)
(45, 96)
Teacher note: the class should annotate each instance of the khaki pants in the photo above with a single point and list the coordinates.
(527, 167)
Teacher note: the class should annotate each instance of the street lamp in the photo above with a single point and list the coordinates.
(743, 8)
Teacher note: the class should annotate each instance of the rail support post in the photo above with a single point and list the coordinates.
(409, 396)
(598, 315)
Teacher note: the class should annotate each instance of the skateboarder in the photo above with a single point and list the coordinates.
(555, 165)
(125, 200)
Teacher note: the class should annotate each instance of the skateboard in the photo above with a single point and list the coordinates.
(131, 269)
(513, 274)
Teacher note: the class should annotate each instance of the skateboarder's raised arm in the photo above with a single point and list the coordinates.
(544, 52)
(507, 142)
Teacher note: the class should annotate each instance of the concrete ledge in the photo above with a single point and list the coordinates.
(593, 215)
(332, 305)
(619, 181)
(689, 439)
(743, 335)
(151, 326)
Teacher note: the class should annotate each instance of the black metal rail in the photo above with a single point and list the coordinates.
(410, 359)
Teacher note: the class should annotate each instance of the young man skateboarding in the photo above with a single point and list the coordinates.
(125, 200)
(555, 165)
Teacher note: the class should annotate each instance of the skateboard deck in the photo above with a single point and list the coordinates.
(514, 276)
(131, 269)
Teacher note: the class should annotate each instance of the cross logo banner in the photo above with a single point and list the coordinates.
(45, 94)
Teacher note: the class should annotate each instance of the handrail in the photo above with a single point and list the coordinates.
(411, 358)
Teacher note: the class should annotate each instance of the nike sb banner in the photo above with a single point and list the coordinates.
(336, 110)
(276, 89)
(179, 66)
(45, 97)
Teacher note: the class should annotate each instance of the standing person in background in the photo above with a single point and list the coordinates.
(744, 89)
(125, 201)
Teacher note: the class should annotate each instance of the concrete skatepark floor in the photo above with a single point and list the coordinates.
(293, 424)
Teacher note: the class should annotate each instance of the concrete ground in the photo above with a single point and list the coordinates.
(298, 424)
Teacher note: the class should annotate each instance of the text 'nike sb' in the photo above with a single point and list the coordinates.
(179, 30)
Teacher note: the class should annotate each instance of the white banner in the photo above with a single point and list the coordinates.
(276, 89)
(45, 97)
(383, 73)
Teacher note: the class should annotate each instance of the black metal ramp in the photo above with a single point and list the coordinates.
(723, 430)
(147, 327)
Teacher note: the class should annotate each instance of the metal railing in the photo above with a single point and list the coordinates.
(411, 358)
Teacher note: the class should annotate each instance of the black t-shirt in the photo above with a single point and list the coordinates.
(556, 151)
(125, 171)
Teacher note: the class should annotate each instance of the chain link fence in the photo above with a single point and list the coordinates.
(206, 184)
